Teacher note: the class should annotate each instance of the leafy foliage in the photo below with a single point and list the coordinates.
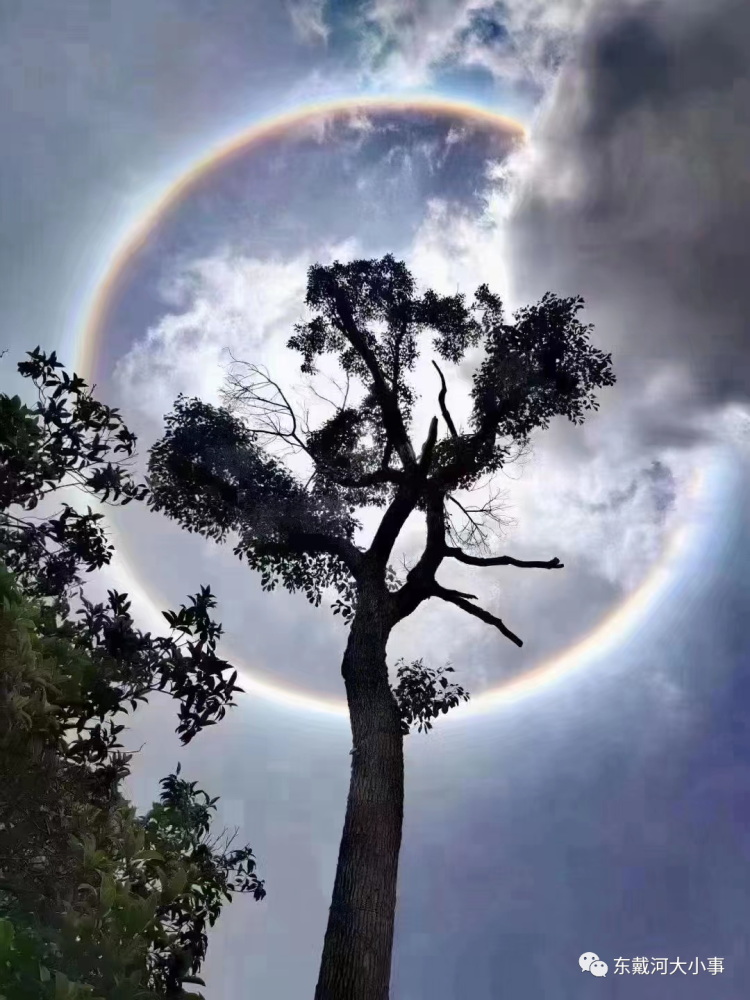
(68, 438)
(126, 665)
(210, 474)
(423, 693)
(94, 901)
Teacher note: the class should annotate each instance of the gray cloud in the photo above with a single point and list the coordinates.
(308, 20)
(635, 194)
(657, 479)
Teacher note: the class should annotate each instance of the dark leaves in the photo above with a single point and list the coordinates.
(210, 475)
(540, 367)
(68, 438)
(180, 824)
(423, 693)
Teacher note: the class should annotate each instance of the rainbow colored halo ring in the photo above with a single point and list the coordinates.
(610, 631)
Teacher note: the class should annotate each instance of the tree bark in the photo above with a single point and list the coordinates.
(356, 962)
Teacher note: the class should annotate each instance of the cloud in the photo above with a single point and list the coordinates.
(518, 42)
(604, 506)
(308, 20)
(634, 193)
(218, 304)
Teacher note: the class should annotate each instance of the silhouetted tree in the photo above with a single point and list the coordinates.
(220, 473)
(94, 901)
(71, 440)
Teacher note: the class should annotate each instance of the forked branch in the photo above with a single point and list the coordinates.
(459, 599)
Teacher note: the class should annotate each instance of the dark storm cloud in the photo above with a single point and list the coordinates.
(640, 200)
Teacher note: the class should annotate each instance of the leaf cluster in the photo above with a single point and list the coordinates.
(95, 901)
(210, 474)
(423, 693)
(68, 438)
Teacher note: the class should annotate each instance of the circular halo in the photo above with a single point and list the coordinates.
(606, 633)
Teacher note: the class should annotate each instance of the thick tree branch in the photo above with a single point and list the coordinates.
(421, 578)
(441, 400)
(404, 503)
(375, 478)
(314, 542)
(464, 557)
(392, 522)
(425, 458)
(386, 396)
(453, 597)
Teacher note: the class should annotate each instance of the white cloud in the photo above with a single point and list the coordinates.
(225, 303)
(517, 41)
(308, 20)
(567, 500)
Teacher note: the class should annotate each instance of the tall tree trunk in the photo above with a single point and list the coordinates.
(356, 962)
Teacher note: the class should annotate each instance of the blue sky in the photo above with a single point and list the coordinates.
(606, 811)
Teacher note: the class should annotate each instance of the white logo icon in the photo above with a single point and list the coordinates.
(586, 959)
(590, 962)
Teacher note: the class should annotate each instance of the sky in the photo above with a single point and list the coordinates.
(594, 794)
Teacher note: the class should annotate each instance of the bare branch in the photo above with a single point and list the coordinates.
(260, 396)
(475, 535)
(476, 532)
(464, 557)
(263, 399)
(453, 597)
(342, 390)
(441, 400)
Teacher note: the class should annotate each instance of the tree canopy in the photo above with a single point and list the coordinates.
(216, 473)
